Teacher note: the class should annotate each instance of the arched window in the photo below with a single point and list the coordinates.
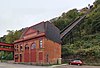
(16, 48)
(26, 46)
(16, 55)
(21, 48)
(33, 46)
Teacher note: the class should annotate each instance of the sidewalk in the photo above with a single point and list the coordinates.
(53, 66)
(57, 65)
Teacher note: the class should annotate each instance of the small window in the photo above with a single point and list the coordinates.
(21, 48)
(14, 46)
(26, 47)
(37, 32)
(33, 46)
(17, 46)
(15, 49)
(40, 43)
(16, 55)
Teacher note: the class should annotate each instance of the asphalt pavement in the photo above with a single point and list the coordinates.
(10, 65)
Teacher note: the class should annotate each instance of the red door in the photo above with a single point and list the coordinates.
(26, 54)
(16, 59)
(33, 55)
(40, 56)
(20, 57)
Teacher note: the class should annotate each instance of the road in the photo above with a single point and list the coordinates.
(6, 65)
(75, 66)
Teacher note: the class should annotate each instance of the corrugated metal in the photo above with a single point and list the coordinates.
(52, 32)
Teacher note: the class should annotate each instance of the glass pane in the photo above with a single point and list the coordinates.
(40, 43)
(33, 46)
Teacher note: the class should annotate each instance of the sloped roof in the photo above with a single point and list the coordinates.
(51, 31)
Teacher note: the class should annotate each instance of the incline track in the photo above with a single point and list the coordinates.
(68, 28)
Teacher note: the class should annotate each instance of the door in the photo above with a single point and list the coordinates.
(26, 54)
(20, 57)
(33, 55)
(40, 56)
(33, 52)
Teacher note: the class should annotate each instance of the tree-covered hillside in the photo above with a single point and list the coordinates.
(65, 18)
(86, 44)
(11, 36)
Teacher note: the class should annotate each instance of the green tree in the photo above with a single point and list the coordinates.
(66, 18)
(10, 36)
(17, 34)
(2, 39)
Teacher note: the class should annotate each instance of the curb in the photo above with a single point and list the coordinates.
(57, 65)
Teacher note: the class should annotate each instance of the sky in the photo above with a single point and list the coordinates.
(17, 14)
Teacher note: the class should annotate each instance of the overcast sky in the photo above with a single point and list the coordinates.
(17, 14)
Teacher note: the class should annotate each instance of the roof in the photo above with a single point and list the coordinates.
(50, 30)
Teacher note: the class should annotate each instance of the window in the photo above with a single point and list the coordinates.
(33, 46)
(16, 55)
(21, 48)
(37, 32)
(40, 43)
(16, 48)
(26, 46)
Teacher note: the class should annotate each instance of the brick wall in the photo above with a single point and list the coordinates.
(49, 53)
(52, 51)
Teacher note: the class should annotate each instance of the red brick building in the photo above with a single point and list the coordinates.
(38, 44)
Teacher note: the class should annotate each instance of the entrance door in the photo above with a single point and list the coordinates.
(20, 57)
(33, 55)
(40, 56)
(33, 52)
(16, 58)
(26, 54)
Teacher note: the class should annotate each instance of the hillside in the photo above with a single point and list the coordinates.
(86, 38)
